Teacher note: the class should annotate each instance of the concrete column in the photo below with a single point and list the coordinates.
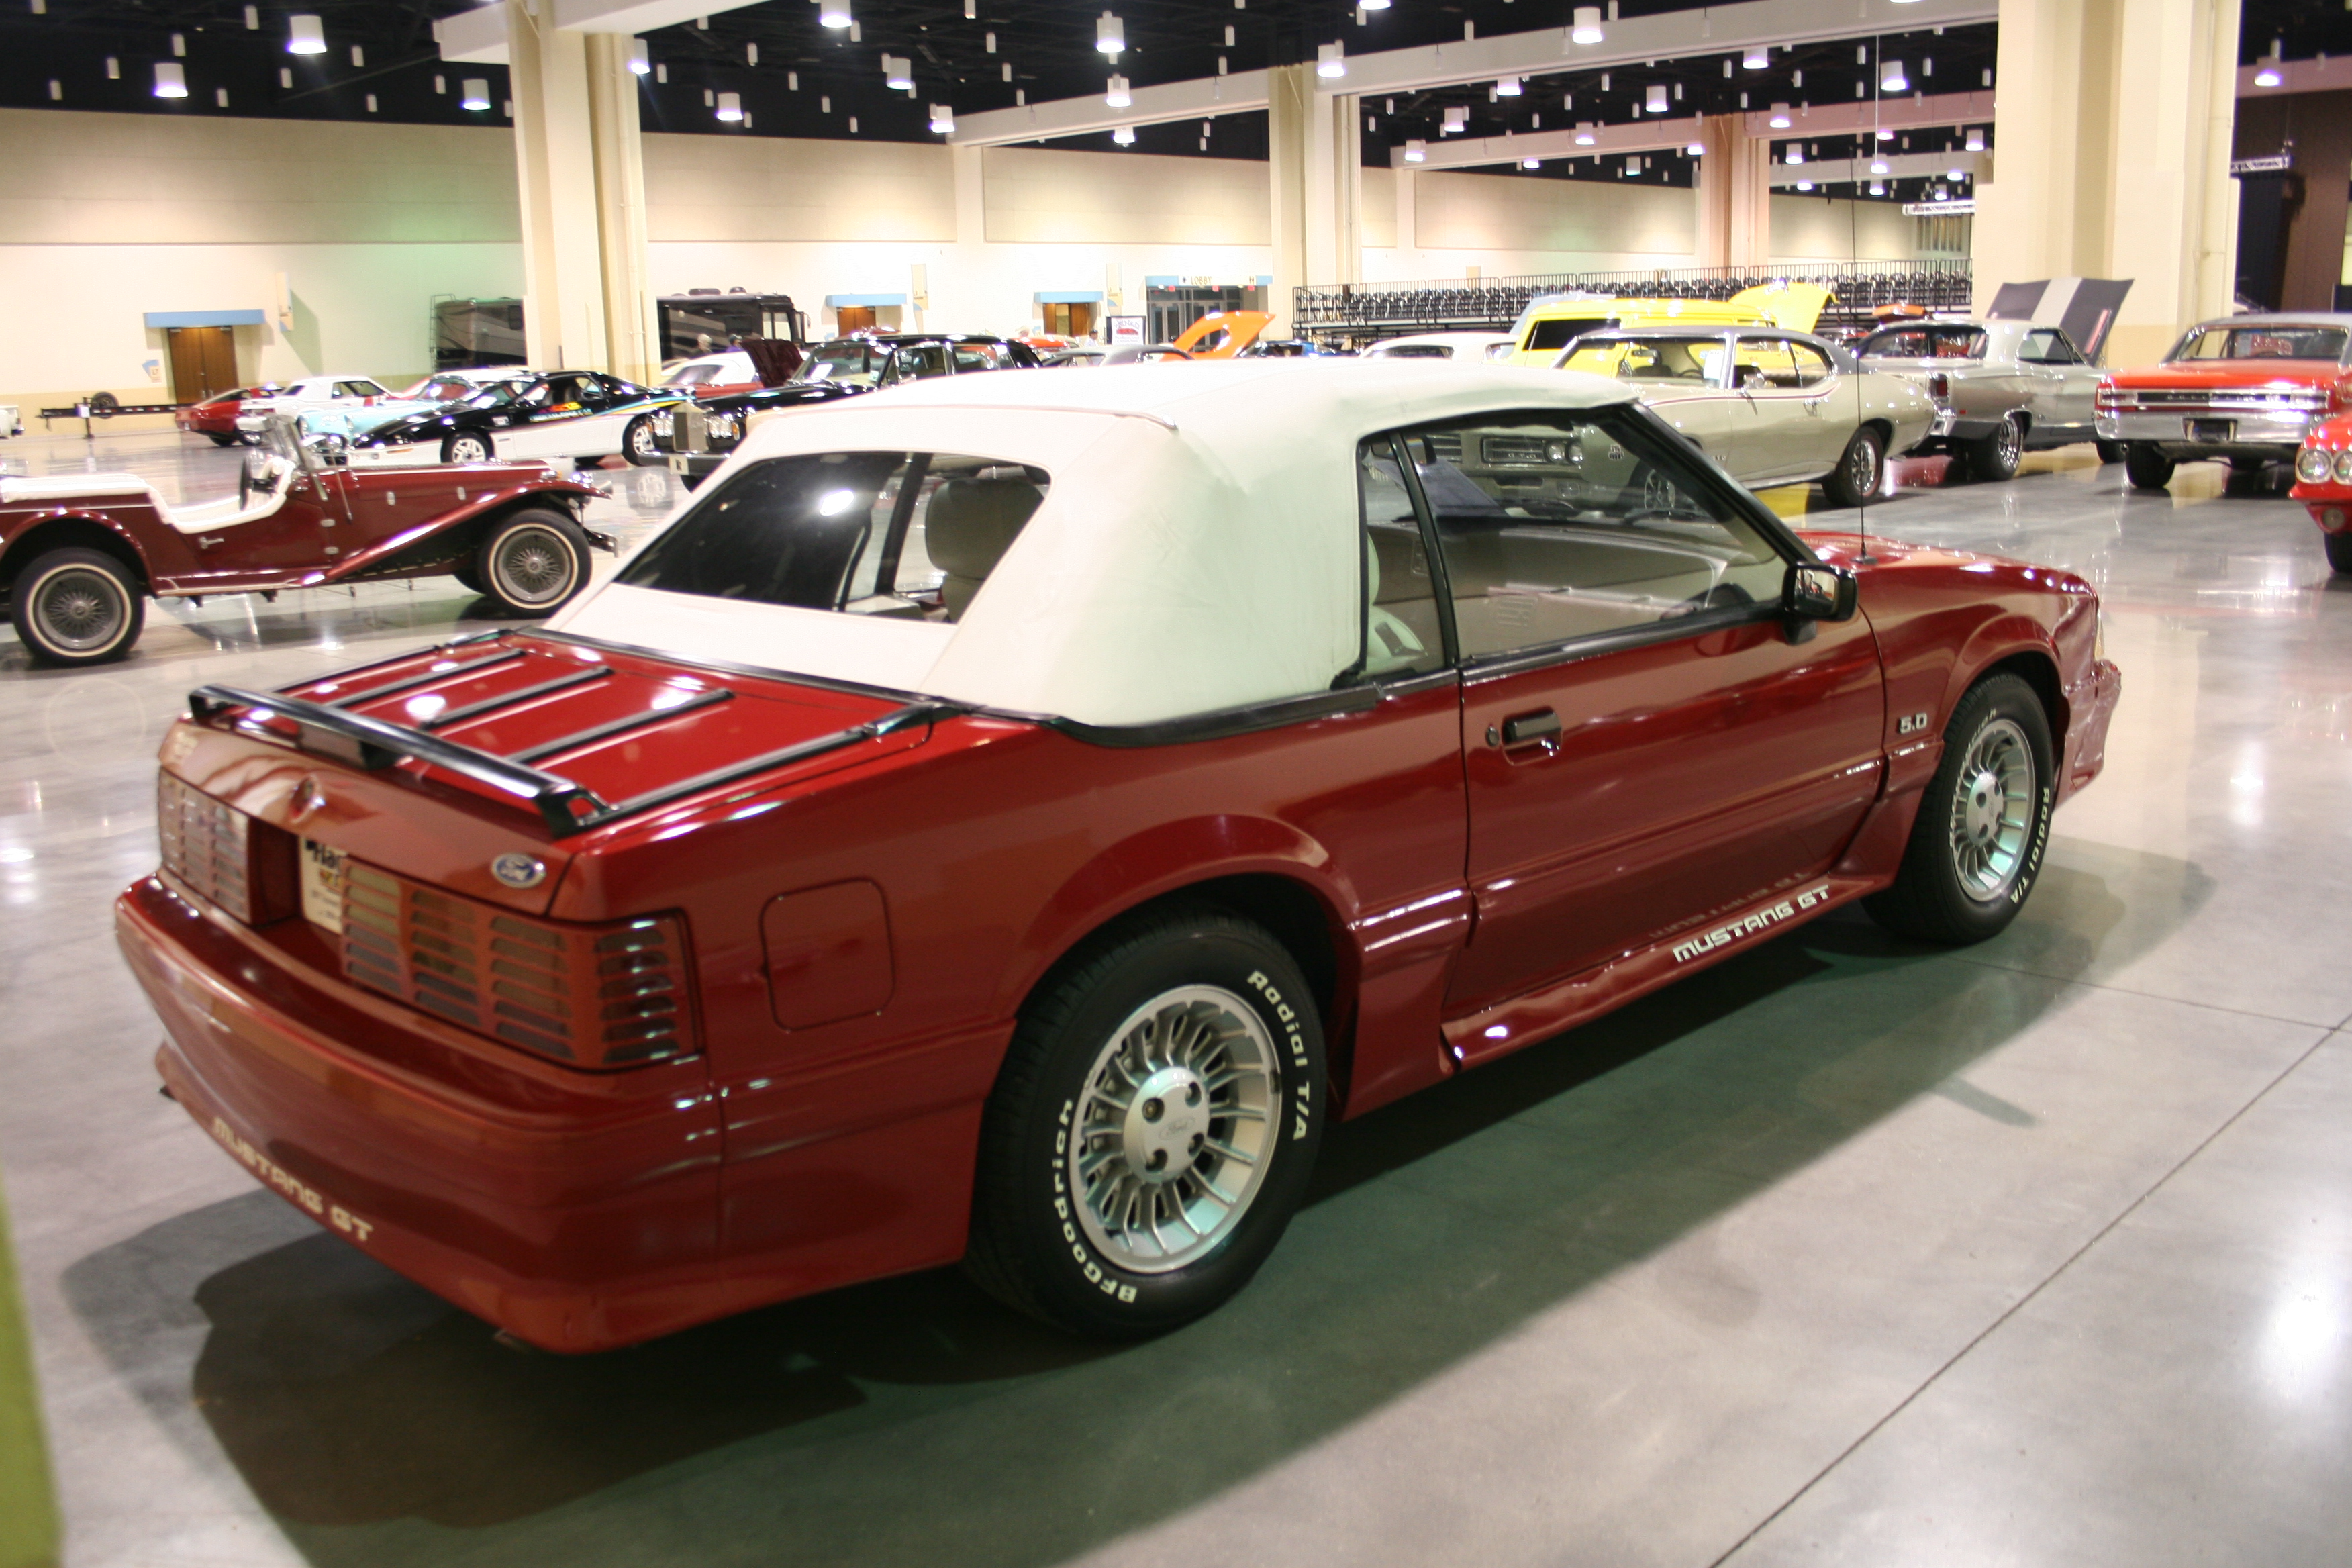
(580, 171)
(1315, 152)
(2112, 132)
(1735, 194)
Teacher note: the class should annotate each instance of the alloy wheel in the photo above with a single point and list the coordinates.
(1175, 1129)
(1992, 811)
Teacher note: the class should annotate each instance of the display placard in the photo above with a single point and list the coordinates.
(1123, 329)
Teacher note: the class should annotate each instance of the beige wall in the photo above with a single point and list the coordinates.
(1505, 213)
(756, 189)
(1043, 196)
(1808, 228)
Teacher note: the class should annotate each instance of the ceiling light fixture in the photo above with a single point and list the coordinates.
(1656, 98)
(1585, 137)
(898, 74)
(1780, 120)
(1506, 86)
(1878, 166)
(1115, 92)
(1584, 28)
(943, 119)
(1805, 184)
(1757, 58)
(1124, 135)
(1696, 150)
(833, 14)
(1330, 60)
(1976, 141)
(1373, 5)
(731, 106)
(1796, 153)
(1877, 187)
(1456, 119)
(1416, 152)
(1891, 78)
(252, 16)
(475, 94)
(1531, 162)
(304, 36)
(170, 81)
(1110, 35)
(2267, 77)
(641, 61)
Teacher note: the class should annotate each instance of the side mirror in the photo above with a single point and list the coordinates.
(1819, 593)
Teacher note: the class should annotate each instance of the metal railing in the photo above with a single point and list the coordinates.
(1365, 312)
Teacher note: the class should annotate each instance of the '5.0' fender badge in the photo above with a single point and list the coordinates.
(517, 870)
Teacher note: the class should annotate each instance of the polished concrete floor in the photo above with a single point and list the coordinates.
(1844, 1252)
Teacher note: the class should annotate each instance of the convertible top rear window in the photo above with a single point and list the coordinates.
(1923, 342)
(908, 535)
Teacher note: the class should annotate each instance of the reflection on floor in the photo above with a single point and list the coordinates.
(1844, 1252)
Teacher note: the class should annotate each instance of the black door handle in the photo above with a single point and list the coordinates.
(1520, 728)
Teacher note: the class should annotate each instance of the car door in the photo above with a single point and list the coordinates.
(1797, 433)
(1645, 743)
(1685, 380)
(2064, 385)
(543, 423)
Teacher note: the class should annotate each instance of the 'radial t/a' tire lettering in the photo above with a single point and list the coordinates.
(1153, 1128)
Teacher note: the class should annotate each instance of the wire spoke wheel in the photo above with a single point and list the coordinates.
(534, 565)
(1175, 1129)
(1992, 811)
(80, 610)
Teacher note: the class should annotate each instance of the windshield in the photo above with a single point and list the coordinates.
(281, 447)
(1951, 341)
(842, 361)
(496, 396)
(909, 535)
(2285, 340)
(1693, 361)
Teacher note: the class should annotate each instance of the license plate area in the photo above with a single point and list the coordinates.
(322, 885)
(2212, 432)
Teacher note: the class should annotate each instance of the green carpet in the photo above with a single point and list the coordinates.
(28, 1509)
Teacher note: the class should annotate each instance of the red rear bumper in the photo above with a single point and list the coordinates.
(577, 1211)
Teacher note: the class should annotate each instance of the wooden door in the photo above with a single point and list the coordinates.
(853, 317)
(203, 361)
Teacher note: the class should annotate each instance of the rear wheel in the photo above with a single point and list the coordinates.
(1860, 471)
(533, 560)
(638, 443)
(219, 439)
(2110, 451)
(2145, 468)
(465, 450)
(1983, 824)
(1153, 1128)
(1996, 455)
(2339, 550)
(77, 606)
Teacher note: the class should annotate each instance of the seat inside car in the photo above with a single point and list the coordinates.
(968, 527)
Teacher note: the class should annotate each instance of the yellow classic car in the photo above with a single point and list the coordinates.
(1549, 325)
(1771, 406)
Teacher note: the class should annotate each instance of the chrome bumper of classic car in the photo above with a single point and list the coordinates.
(2216, 427)
(1947, 420)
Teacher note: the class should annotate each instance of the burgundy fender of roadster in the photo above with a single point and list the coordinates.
(1006, 819)
(80, 554)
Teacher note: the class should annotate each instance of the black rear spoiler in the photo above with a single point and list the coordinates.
(567, 807)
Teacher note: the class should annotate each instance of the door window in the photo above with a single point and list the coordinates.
(1812, 366)
(1764, 365)
(2047, 345)
(1557, 525)
(916, 362)
(1402, 631)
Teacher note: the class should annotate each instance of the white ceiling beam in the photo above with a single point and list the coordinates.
(480, 36)
(2296, 75)
(1856, 171)
(1864, 114)
(1203, 98)
(1477, 152)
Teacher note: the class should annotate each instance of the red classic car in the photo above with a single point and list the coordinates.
(2244, 389)
(216, 415)
(1005, 819)
(80, 554)
(2323, 483)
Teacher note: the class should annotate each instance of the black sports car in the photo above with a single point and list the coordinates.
(700, 437)
(580, 415)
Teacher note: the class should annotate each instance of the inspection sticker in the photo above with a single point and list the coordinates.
(322, 885)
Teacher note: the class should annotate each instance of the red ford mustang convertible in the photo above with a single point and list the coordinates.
(1006, 819)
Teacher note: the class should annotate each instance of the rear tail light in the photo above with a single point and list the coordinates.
(1939, 387)
(594, 996)
(241, 866)
(2106, 400)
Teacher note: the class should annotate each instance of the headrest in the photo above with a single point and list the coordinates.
(971, 522)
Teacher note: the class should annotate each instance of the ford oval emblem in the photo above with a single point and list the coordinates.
(517, 870)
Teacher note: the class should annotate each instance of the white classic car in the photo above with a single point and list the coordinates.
(2002, 388)
(1773, 407)
(311, 391)
(1444, 346)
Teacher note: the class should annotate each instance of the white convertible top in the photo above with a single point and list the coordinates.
(1198, 548)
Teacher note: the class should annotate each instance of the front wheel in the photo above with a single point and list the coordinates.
(533, 560)
(2339, 550)
(1996, 457)
(465, 450)
(2146, 467)
(1983, 824)
(77, 606)
(1860, 471)
(1152, 1129)
(638, 443)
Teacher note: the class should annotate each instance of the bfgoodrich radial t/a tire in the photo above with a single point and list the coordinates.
(1976, 849)
(75, 606)
(1153, 1128)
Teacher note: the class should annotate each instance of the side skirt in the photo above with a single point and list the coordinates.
(1541, 1013)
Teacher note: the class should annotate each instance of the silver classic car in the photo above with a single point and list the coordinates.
(1773, 407)
(2001, 388)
